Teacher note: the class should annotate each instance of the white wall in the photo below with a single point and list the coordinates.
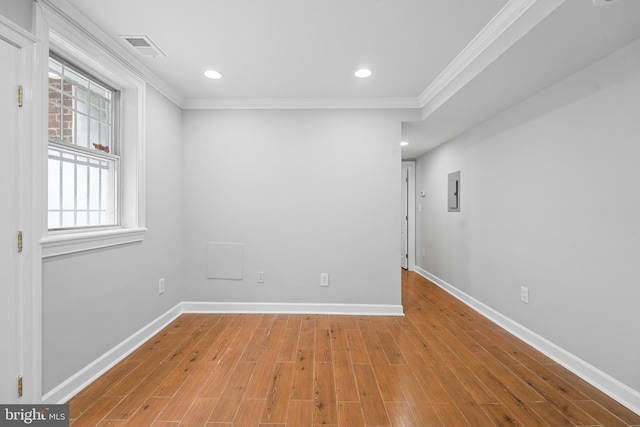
(306, 192)
(549, 200)
(95, 300)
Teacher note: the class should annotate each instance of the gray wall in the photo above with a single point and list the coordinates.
(95, 300)
(306, 192)
(549, 201)
(18, 11)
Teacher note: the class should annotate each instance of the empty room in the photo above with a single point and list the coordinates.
(320, 212)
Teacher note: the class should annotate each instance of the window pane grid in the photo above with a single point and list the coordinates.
(83, 165)
(79, 190)
(80, 110)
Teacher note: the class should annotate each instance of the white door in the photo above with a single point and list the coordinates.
(404, 222)
(9, 279)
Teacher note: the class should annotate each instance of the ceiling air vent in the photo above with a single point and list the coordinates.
(143, 45)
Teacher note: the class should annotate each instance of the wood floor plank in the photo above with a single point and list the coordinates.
(149, 411)
(231, 398)
(596, 395)
(500, 416)
(97, 412)
(277, 400)
(346, 389)
(350, 414)
(199, 412)
(390, 347)
(426, 377)
(557, 397)
(322, 349)
(221, 373)
(260, 381)
(356, 346)
(300, 413)
(598, 412)
(180, 403)
(373, 408)
(450, 415)
(461, 396)
(324, 394)
(250, 412)
(441, 364)
(276, 332)
(289, 345)
(303, 376)
(338, 335)
(256, 345)
(400, 414)
(389, 388)
(138, 394)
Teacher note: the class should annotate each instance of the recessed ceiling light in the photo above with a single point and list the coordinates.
(404, 143)
(362, 73)
(212, 74)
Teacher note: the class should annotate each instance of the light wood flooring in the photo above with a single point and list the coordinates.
(440, 365)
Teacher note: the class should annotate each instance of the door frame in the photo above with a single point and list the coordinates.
(29, 173)
(411, 211)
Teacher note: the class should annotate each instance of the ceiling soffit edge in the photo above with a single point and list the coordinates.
(513, 21)
(300, 103)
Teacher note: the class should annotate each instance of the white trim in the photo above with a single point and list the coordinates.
(411, 165)
(292, 308)
(14, 34)
(617, 390)
(27, 178)
(71, 386)
(64, 244)
(513, 21)
(299, 103)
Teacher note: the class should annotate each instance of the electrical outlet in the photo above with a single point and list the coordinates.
(161, 286)
(324, 279)
(260, 276)
(524, 294)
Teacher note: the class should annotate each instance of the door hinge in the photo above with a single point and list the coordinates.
(20, 386)
(19, 241)
(20, 95)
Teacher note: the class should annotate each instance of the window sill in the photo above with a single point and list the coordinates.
(69, 243)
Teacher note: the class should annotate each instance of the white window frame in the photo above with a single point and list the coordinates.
(77, 46)
(111, 156)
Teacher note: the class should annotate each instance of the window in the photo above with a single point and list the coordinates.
(83, 150)
(94, 155)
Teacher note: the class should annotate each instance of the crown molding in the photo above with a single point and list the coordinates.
(513, 21)
(299, 103)
(71, 19)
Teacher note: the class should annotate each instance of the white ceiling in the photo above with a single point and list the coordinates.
(461, 61)
(296, 48)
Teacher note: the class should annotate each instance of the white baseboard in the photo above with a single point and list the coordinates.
(292, 308)
(617, 390)
(74, 384)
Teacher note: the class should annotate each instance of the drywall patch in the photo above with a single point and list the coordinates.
(225, 260)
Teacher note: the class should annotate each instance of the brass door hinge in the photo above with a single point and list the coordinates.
(20, 95)
(20, 386)
(19, 241)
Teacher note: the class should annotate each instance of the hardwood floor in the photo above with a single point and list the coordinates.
(440, 365)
